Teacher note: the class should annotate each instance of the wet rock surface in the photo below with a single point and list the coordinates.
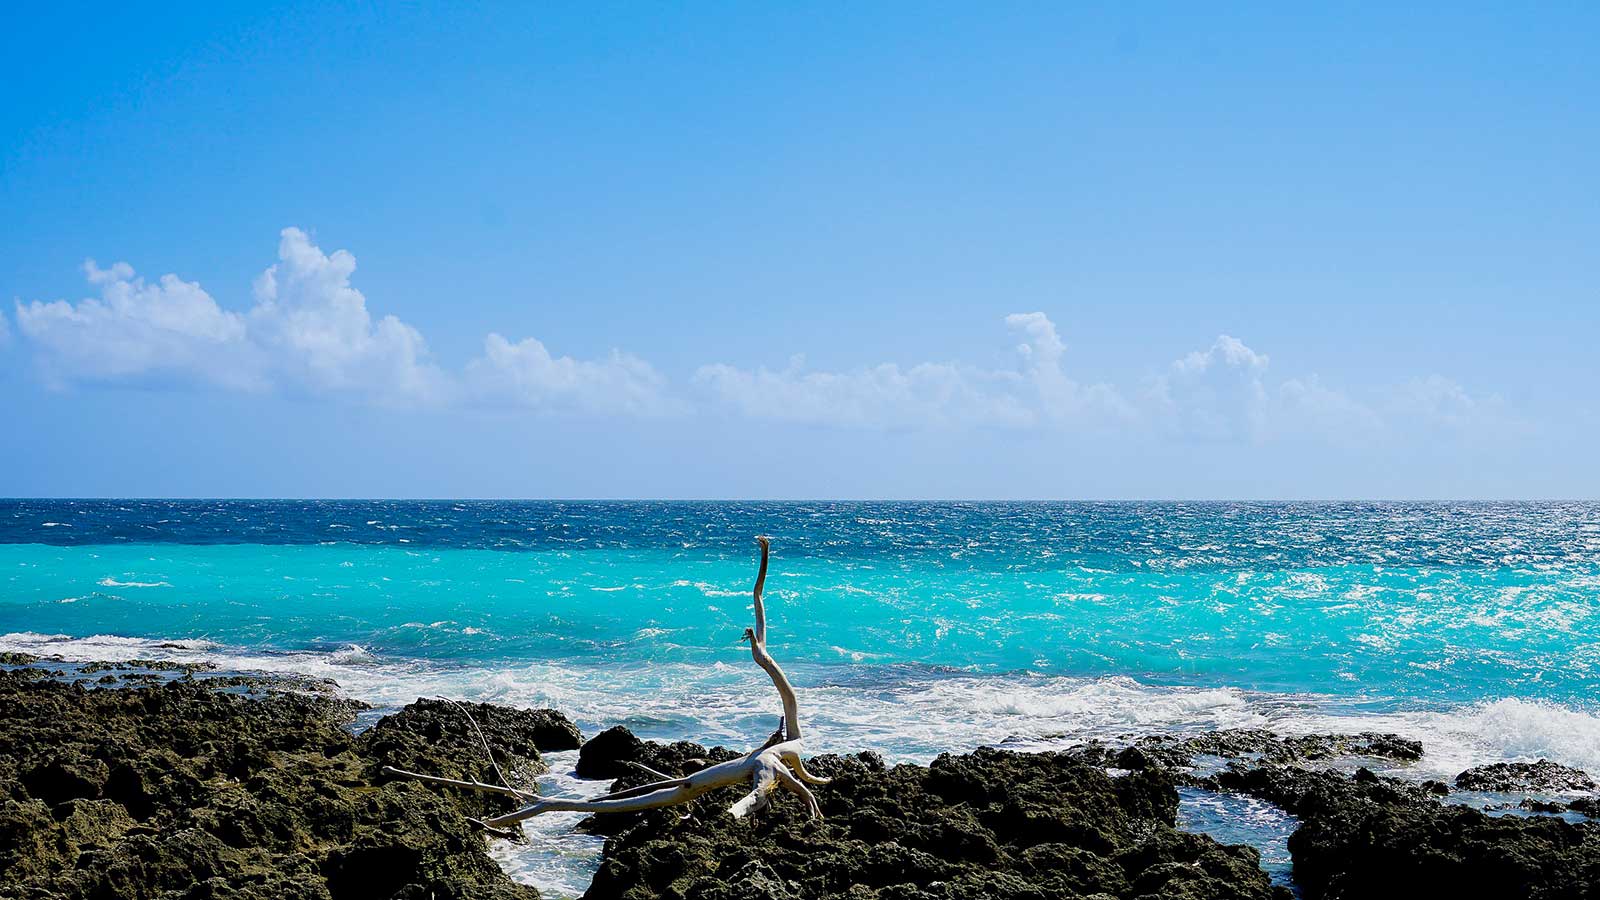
(989, 824)
(444, 738)
(1543, 775)
(189, 790)
(994, 824)
(1179, 752)
(617, 753)
(1366, 836)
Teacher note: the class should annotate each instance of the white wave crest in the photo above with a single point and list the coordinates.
(108, 581)
(708, 590)
(353, 655)
(905, 716)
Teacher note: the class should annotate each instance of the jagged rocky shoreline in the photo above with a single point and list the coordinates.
(151, 781)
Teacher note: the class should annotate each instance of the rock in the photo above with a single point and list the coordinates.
(990, 824)
(148, 665)
(617, 753)
(1189, 756)
(1381, 837)
(1306, 791)
(30, 844)
(1541, 806)
(180, 790)
(607, 754)
(1132, 759)
(1258, 745)
(436, 737)
(95, 823)
(1543, 775)
(67, 777)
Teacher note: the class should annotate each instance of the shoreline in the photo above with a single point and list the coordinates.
(906, 714)
(1227, 765)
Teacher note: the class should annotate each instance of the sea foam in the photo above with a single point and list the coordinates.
(904, 713)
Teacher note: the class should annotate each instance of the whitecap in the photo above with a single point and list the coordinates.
(353, 655)
(108, 581)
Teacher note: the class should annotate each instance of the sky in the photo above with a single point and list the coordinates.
(1134, 250)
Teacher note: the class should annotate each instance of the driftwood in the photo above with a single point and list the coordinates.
(775, 763)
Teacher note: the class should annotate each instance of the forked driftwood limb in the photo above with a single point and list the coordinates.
(774, 764)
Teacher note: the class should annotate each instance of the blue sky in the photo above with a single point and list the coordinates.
(911, 250)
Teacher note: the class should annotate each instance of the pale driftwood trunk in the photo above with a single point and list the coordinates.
(774, 764)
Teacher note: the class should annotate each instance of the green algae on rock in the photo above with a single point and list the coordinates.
(183, 790)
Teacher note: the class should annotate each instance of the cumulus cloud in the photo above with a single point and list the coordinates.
(1217, 393)
(1057, 396)
(309, 330)
(316, 330)
(136, 329)
(1223, 392)
(1439, 401)
(880, 396)
(526, 374)
(1226, 392)
(1036, 391)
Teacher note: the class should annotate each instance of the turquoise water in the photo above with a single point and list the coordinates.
(1419, 603)
(909, 628)
(1401, 631)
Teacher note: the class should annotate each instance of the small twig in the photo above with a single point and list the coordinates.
(455, 782)
(482, 740)
(642, 789)
(661, 775)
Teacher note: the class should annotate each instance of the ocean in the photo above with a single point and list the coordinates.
(908, 628)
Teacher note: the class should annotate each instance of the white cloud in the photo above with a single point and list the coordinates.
(1307, 407)
(925, 394)
(1226, 352)
(1215, 394)
(1057, 396)
(525, 374)
(308, 330)
(1438, 401)
(881, 396)
(318, 332)
(136, 329)
(1224, 392)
